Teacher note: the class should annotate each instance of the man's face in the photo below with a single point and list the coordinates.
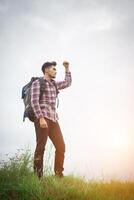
(51, 71)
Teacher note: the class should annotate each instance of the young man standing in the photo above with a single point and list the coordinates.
(46, 122)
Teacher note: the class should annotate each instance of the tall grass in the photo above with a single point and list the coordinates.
(18, 182)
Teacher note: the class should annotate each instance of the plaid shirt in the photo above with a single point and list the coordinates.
(46, 106)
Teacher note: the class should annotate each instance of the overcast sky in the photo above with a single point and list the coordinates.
(97, 111)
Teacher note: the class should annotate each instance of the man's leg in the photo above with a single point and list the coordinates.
(41, 139)
(56, 137)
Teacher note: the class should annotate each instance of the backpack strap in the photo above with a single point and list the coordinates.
(42, 88)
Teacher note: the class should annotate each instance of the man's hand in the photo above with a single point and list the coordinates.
(43, 123)
(66, 65)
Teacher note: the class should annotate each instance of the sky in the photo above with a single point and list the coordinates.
(96, 113)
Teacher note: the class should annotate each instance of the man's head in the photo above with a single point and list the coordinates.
(49, 69)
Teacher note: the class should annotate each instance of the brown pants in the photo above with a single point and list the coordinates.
(55, 134)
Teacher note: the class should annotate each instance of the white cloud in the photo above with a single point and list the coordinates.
(3, 8)
(97, 19)
(39, 22)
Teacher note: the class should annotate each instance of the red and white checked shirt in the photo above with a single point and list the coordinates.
(46, 106)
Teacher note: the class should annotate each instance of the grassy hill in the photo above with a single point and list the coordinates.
(18, 182)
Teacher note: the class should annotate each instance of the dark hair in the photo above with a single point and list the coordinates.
(47, 65)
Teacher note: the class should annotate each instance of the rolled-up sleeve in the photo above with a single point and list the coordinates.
(35, 94)
(66, 82)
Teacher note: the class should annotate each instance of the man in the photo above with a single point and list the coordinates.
(46, 123)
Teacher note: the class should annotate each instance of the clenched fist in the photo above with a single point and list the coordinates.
(43, 123)
(66, 65)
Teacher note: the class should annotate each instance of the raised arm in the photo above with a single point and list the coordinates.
(68, 78)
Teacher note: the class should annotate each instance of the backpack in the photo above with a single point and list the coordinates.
(26, 96)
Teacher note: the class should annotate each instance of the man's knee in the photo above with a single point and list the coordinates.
(40, 149)
(61, 148)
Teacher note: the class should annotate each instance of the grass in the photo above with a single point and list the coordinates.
(18, 182)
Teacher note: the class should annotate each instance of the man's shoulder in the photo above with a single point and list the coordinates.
(36, 83)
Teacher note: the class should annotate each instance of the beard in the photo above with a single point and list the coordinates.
(53, 76)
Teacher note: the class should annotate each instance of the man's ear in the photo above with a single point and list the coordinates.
(46, 70)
